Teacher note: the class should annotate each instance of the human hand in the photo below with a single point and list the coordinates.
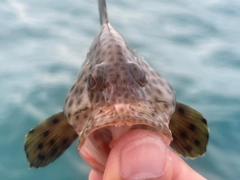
(141, 154)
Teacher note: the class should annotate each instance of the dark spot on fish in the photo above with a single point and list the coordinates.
(204, 120)
(159, 91)
(46, 133)
(166, 105)
(118, 46)
(118, 76)
(85, 115)
(188, 148)
(52, 141)
(192, 127)
(79, 101)
(119, 53)
(109, 53)
(55, 121)
(64, 142)
(76, 90)
(54, 151)
(70, 103)
(85, 108)
(40, 146)
(80, 90)
(41, 157)
(116, 64)
(77, 117)
(196, 142)
(31, 131)
(183, 135)
(134, 69)
(69, 115)
(153, 114)
(181, 110)
(85, 79)
(95, 46)
(112, 40)
(120, 59)
(72, 88)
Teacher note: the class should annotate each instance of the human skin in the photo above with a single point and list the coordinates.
(141, 154)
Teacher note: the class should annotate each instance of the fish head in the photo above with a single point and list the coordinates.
(116, 91)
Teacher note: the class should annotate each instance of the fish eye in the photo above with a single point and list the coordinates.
(92, 83)
(142, 78)
(138, 74)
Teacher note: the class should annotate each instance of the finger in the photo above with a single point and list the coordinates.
(139, 154)
(95, 176)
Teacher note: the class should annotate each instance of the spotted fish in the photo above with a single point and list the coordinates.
(115, 92)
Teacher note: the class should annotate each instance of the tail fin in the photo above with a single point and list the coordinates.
(103, 11)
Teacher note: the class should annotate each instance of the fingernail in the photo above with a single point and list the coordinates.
(146, 157)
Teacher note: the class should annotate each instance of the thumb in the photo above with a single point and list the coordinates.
(139, 154)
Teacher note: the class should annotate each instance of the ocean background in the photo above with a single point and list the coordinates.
(195, 45)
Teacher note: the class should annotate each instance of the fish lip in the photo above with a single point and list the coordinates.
(141, 123)
(110, 117)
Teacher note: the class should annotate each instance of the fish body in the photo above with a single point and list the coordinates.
(116, 91)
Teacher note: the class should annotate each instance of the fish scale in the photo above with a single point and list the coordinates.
(115, 92)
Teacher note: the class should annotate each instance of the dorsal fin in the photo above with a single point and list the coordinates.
(103, 11)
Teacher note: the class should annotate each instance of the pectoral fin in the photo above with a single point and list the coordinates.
(189, 130)
(48, 140)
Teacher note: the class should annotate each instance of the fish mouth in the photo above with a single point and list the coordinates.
(111, 123)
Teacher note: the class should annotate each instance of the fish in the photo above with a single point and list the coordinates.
(116, 91)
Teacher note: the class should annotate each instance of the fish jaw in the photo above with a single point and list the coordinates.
(101, 133)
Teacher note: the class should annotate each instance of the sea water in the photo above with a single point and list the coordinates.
(195, 45)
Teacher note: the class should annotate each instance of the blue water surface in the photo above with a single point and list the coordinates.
(195, 45)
